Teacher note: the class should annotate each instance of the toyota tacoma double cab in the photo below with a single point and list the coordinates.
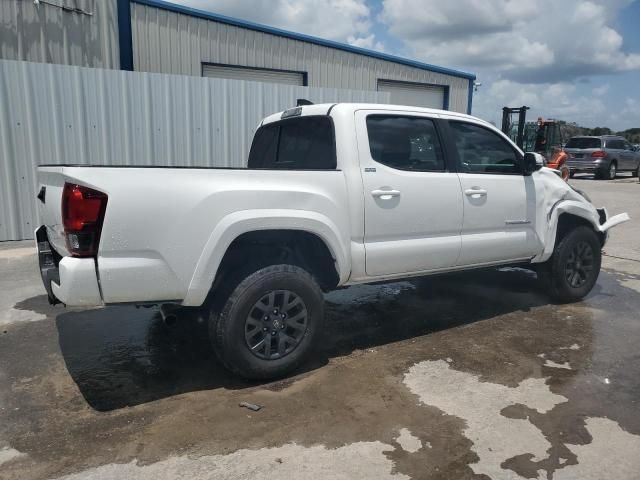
(332, 195)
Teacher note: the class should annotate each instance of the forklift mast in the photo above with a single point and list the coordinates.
(507, 123)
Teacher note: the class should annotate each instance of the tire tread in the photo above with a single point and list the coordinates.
(218, 322)
(551, 273)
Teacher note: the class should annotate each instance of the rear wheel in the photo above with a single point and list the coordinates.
(572, 173)
(268, 325)
(613, 169)
(636, 172)
(573, 269)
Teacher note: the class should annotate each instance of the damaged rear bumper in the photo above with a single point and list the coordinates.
(69, 280)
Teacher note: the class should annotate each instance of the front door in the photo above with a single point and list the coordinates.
(413, 204)
(499, 201)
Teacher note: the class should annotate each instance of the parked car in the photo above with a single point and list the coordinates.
(605, 156)
(333, 195)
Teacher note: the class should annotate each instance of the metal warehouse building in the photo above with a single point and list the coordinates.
(158, 36)
(147, 82)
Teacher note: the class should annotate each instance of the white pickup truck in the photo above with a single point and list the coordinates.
(333, 195)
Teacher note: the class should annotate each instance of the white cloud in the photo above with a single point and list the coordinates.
(601, 90)
(531, 53)
(532, 42)
(417, 19)
(557, 100)
(366, 42)
(630, 113)
(525, 53)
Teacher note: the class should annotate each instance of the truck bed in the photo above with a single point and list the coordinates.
(166, 228)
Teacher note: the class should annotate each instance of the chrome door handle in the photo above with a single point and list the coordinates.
(475, 191)
(385, 194)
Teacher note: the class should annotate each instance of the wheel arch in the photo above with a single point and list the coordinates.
(568, 221)
(562, 218)
(244, 227)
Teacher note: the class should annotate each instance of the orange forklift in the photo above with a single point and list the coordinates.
(543, 137)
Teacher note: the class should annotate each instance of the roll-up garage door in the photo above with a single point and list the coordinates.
(414, 94)
(253, 74)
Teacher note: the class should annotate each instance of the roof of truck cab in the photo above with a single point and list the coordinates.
(327, 108)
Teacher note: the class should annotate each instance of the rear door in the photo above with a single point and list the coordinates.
(412, 200)
(499, 201)
(629, 156)
(616, 152)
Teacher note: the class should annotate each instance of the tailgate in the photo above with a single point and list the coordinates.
(50, 185)
(581, 154)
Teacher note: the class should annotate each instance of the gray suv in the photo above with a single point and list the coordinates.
(604, 156)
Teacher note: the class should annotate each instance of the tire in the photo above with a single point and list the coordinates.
(247, 320)
(636, 172)
(611, 172)
(565, 274)
(572, 173)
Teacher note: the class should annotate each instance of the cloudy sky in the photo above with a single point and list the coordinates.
(574, 60)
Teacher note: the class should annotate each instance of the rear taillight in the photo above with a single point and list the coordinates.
(599, 154)
(82, 215)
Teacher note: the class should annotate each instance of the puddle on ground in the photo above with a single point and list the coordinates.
(508, 444)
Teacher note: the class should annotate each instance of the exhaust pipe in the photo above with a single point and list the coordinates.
(168, 314)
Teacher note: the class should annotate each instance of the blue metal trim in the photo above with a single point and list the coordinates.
(172, 7)
(470, 99)
(125, 40)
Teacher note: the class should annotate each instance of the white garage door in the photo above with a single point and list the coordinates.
(253, 74)
(413, 94)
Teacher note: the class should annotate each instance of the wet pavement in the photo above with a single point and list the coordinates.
(472, 375)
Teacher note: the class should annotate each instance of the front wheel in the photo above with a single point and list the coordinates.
(269, 323)
(573, 269)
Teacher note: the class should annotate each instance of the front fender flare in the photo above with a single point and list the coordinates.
(580, 209)
(244, 221)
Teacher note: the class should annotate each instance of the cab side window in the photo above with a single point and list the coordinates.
(615, 144)
(482, 151)
(405, 143)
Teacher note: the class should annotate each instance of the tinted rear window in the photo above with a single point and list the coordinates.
(584, 142)
(302, 143)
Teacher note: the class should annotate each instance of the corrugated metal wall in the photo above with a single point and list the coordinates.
(61, 114)
(69, 32)
(170, 42)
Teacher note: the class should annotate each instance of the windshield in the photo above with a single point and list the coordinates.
(584, 142)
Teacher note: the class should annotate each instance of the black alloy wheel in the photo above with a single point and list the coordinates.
(579, 264)
(276, 325)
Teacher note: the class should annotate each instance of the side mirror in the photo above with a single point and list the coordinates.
(532, 162)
